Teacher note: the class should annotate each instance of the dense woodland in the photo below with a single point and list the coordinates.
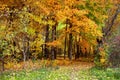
(50, 29)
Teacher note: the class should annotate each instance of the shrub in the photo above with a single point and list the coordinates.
(114, 57)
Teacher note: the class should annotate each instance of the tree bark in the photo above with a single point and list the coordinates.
(77, 55)
(53, 38)
(24, 52)
(70, 44)
(28, 50)
(65, 43)
(53, 48)
(78, 51)
(46, 50)
(25, 49)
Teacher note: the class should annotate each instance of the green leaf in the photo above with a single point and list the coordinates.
(61, 25)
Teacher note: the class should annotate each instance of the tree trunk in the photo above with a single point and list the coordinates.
(42, 51)
(77, 55)
(28, 50)
(24, 52)
(53, 49)
(46, 51)
(70, 44)
(55, 37)
(78, 51)
(65, 43)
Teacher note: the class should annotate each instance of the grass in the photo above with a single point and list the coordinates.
(61, 70)
(63, 73)
(106, 74)
(26, 75)
(41, 74)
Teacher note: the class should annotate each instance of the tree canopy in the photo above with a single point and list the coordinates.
(45, 29)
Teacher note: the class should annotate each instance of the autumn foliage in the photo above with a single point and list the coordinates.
(46, 29)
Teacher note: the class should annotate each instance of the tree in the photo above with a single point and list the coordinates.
(43, 28)
(107, 31)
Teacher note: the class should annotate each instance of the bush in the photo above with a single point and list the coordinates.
(114, 57)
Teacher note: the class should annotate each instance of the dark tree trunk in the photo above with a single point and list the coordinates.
(70, 44)
(28, 50)
(78, 52)
(70, 47)
(53, 48)
(65, 43)
(42, 51)
(55, 37)
(74, 49)
(14, 52)
(46, 50)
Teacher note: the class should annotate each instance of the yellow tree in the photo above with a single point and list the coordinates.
(82, 17)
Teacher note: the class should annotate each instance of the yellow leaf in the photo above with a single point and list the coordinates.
(102, 60)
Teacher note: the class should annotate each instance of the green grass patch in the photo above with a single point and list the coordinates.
(26, 75)
(106, 74)
(63, 73)
(40, 74)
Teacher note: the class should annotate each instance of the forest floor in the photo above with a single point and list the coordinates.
(79, 70)
(62, 70)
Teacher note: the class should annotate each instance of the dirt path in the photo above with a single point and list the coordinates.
(76, 67)
(79, 65)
